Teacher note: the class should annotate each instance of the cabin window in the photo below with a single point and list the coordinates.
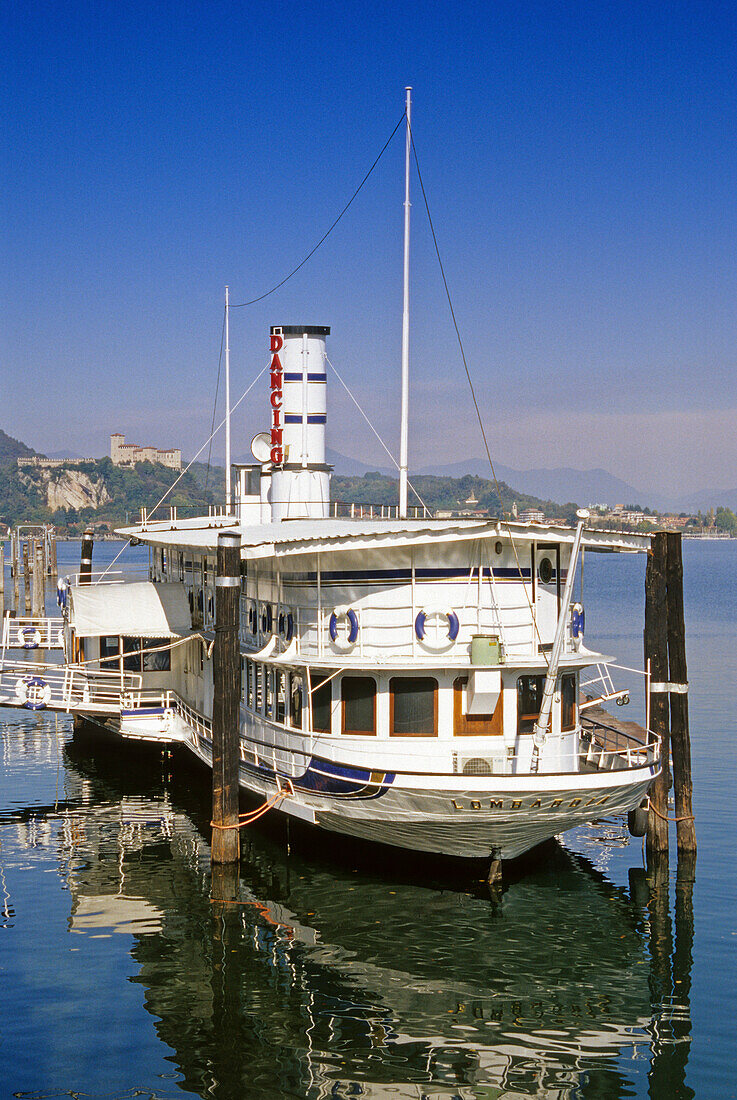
(258, 687)
(568, 701)
(473, 725)
(322, 700)
(109, 651)
(295, 701)
(269, 684)
(358, 695)
(529, 701)
(136, 661)
(413, 706)
(280, 695)
(249, 684)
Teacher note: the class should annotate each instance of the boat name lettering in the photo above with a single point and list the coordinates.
(277, 396)
(519, 804)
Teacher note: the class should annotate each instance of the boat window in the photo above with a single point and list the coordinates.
(358, 695)
(258, 687)
(269, 678)
(322, 698)
(568, 701)
(109, 651)
(413, 706)
(529, 700)
(249, 684)
(473, 725)
(132, 663)
(295, 701)
(159, 661)
(280, 693)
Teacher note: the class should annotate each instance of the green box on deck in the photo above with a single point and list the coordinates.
(486, 649)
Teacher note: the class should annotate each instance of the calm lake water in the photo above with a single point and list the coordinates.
(343, 975)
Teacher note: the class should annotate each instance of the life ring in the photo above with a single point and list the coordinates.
(578, 621)
(267, 618)
(29, 637)
(339, 613)
(252, 617)
(33, 693)
(62, 588)
(438, 642)
(285, 623)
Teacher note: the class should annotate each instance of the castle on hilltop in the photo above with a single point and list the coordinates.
(127, 454)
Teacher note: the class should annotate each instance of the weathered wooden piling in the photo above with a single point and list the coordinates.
(53, 568)
(656, 659)
(39, 579)
(665, 648)
(16, 579)
(680, 740)
(226, 704)
(85, 561)
(26, 581)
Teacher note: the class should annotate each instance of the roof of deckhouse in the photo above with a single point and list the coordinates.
(301, 536)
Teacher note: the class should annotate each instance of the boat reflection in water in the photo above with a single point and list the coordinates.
(327, 981)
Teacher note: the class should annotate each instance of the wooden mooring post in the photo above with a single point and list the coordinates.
(665, 656)
(26, 581)
(225, 846)
(53, 568)
(39, 583)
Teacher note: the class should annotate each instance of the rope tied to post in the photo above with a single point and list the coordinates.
(664, 817)
(271, 803)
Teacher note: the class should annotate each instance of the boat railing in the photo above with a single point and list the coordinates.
(145, 698)
(28, 632)
(609, 747)
(108, 576)
(344, 509)
(38, 684)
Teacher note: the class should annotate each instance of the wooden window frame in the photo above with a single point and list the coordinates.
(326, 682)
(357, 733)
(391, 706)
(572, 727)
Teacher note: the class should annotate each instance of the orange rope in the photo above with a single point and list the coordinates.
(664, 817)
(254, 815)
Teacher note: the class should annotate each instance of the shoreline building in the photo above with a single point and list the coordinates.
(127, 454)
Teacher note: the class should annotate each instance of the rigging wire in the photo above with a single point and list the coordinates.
(373, 429)
(260, 298)
(473, 391)
(191, 463)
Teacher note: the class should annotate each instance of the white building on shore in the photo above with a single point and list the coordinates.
(127, 454)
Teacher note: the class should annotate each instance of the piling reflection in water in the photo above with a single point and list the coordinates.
(306, 977)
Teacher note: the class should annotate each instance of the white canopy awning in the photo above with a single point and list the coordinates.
(141, 609)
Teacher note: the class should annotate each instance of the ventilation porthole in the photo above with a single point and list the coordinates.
(545, 570)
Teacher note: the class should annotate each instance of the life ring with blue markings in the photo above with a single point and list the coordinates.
(285, 623)
(29, 637)
(267, 618)
(33, 693)
(578, 622)
(62, 587)
(440, 640)
(339, 615)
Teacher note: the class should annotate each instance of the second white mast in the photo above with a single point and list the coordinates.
(405, 323)
(228, 488)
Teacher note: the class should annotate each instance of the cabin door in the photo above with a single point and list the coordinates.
(547, 589)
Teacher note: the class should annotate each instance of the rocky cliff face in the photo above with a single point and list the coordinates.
(68, 488)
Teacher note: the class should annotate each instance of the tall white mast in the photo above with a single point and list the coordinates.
(405, 323)
(228, 489)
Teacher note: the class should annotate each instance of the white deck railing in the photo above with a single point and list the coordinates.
(26, 632)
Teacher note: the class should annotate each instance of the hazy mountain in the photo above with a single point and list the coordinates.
(10, 448)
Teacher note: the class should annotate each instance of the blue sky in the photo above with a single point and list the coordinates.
(581, 167)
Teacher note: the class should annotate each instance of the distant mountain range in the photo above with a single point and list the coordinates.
(562, 484)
